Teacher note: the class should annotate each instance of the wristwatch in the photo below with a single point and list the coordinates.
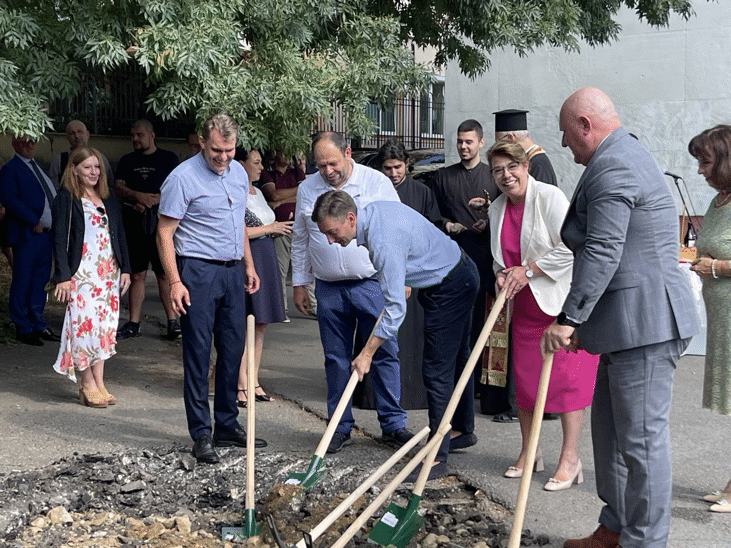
(563, 319)
(528, 272)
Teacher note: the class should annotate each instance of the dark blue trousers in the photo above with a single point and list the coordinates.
(217, 313)
(31, 271)
(344, 308)
(447, 323)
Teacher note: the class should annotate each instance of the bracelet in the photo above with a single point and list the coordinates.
(175, 282)
(713, 269)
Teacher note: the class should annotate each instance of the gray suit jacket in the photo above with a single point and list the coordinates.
(622, 225)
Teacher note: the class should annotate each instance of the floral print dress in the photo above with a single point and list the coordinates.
(90, 325)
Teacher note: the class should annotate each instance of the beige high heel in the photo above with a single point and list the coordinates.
(556, 485)
(111, 400)
(92, 398)
(515, 472)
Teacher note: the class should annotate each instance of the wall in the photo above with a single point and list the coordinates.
(668, 85)
(112, 147)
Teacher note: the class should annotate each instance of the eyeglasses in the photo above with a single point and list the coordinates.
(103, 213)
(499, 171)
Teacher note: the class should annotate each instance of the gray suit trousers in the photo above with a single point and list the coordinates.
(631, 438)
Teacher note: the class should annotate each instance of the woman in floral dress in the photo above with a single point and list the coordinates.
(92, 272)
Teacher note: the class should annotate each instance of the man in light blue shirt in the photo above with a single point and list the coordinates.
(202, 239)
(407, 250)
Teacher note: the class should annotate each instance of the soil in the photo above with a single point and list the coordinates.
(163, 498)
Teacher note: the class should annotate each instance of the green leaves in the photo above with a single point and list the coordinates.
(276, 66)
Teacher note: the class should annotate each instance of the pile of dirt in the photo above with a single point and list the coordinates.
(163, 498)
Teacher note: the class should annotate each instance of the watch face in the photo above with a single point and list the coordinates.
(528, 273)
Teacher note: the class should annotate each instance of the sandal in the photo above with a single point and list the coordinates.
(241, 403)
(262, 397)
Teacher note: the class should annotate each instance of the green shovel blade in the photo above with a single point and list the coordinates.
(309, 478)
(398, 525)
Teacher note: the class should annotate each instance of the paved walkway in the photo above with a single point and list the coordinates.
(41, 421)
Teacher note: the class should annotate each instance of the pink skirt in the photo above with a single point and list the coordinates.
(573, 375)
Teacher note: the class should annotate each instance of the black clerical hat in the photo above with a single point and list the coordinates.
(511, 120)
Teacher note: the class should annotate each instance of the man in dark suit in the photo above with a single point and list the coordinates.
(27, 194)
(629, 302)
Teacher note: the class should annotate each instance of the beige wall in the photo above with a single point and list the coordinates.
(112, 147)
(668, 85)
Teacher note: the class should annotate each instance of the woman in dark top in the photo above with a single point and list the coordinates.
(92, 272)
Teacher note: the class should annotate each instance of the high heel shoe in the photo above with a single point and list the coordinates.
(111, 400)
(716, 496)
(93, 398)
(242, 403)
(556, 485)
(515, 472)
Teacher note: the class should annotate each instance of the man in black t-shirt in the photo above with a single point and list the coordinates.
(139, 176)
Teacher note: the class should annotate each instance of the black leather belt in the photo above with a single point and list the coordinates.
(227, 264)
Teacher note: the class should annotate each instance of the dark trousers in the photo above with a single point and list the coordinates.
(217, 312)
(31, 270)
(346, 309)
(447, 322)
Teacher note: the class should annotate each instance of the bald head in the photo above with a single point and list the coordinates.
(77, 134)
(586, 118)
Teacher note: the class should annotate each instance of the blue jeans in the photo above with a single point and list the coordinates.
(343, 309)
(447, 324)
(217, 312)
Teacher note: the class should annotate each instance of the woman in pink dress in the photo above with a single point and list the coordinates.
(531, 261)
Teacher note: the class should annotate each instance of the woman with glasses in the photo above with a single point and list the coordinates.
(534, 266)
(92, 272)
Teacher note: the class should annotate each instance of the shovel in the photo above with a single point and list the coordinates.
(530, 457)
(429, 450)
(315, 470)
(321, 527)
(249, 528)
(398, 525)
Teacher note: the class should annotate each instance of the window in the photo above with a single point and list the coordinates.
(431, 110)
(384, 118)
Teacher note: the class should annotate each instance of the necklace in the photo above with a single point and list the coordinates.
(722, 200)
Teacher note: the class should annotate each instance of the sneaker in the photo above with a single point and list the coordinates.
(397, 438)
(338, 442)
(128, 331)
(173, 329)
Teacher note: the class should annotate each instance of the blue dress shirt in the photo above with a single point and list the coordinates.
(406, 250)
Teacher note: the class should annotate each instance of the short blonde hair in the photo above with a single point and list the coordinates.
(508, 149)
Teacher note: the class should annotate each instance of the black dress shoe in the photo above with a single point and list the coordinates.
(508, 416)
(33, 339)
(203, 450)
(439, 470)
(462, 441)
(48, 335)
(234, 438)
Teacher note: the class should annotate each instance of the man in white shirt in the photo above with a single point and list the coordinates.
(349, 297)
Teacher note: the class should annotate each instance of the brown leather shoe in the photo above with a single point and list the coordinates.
(603, 537)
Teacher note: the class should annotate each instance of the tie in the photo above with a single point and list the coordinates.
(42, 180)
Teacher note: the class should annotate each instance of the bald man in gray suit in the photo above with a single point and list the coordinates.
(629, 302)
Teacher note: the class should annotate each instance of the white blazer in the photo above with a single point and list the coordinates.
(540, 242)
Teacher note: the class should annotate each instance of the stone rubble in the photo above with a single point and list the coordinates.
(162, 498)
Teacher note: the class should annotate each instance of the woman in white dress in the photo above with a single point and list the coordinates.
(92, 271)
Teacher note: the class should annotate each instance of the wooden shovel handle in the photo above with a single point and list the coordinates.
(391, 487)
(342, 404)
(530, 457)
(464, 379)
(250, 412)
(325, 524)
